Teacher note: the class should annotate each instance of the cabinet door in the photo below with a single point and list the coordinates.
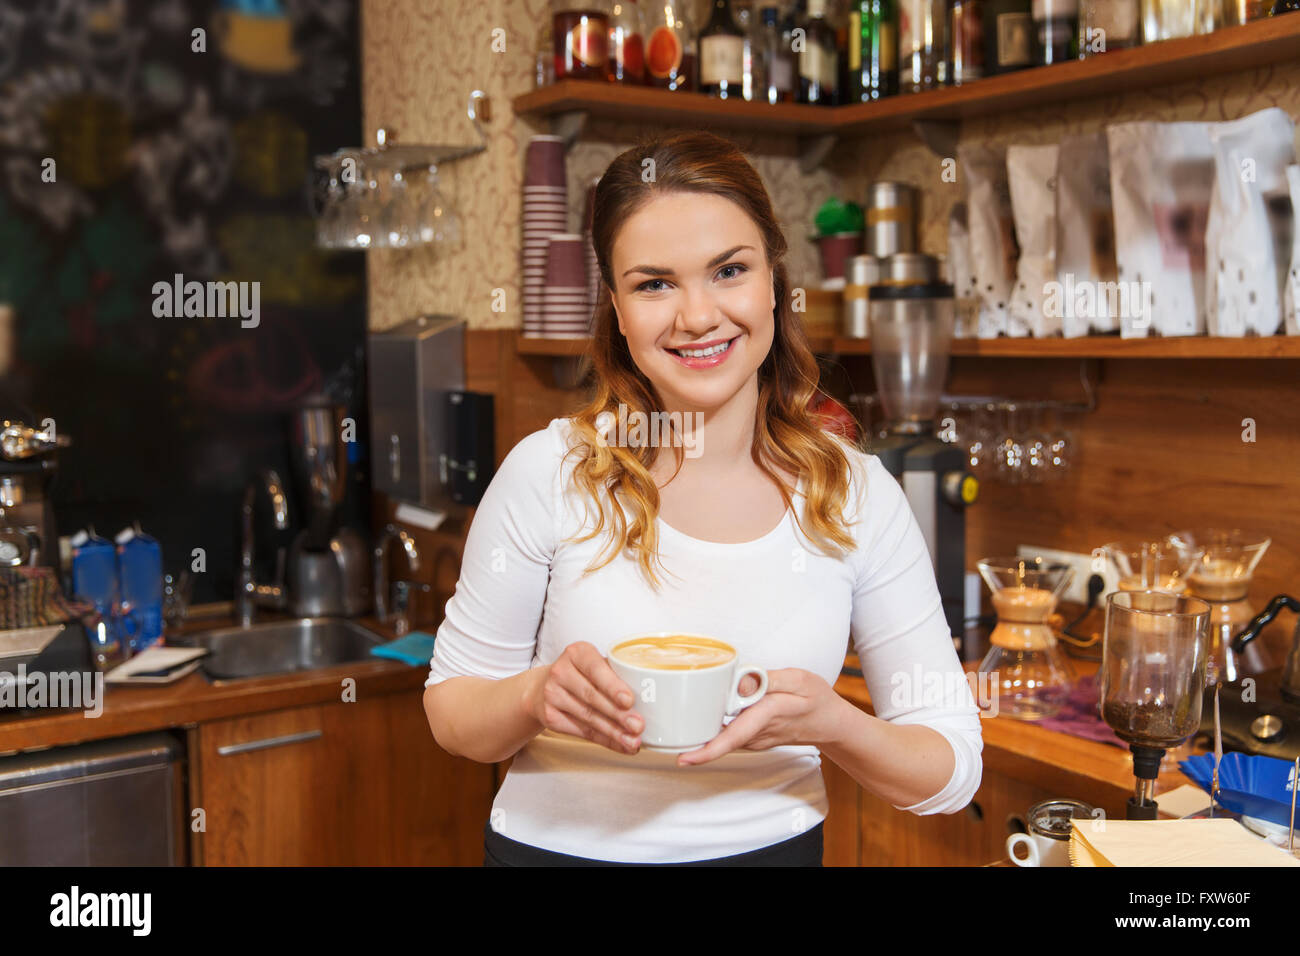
(337, 784)
(973, 836)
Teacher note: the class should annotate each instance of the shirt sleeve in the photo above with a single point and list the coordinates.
(492, 619)
(902, 637)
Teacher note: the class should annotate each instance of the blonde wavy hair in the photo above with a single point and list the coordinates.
(785, 434)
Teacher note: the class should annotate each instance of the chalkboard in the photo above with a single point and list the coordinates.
(148, 140)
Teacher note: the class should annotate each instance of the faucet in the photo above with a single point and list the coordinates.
(248, 593)
(390, 533)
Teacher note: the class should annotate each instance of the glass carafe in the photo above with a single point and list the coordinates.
(1159, 564)
(1027, 669)
(1222, 576)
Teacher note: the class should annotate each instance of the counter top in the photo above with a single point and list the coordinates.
(192, 699)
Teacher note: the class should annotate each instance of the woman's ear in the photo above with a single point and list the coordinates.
(772, 279)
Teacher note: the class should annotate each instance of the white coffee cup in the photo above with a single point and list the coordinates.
(683, 686)
(1039, 850)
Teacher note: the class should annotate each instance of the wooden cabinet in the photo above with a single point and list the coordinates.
(359, 783)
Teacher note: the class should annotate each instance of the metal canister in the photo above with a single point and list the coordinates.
(863, 271)
(907, 268)
(891, 218)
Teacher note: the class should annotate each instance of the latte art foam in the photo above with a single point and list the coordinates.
(679, 653)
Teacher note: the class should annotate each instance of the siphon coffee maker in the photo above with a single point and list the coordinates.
(1031, 675)
(911, 334)
(1152, 679)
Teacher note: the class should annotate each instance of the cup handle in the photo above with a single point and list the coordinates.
(1031, 849)
(736, 703)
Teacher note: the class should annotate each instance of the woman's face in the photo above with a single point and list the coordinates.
(690, 273)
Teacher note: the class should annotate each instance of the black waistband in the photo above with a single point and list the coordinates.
(805, 849)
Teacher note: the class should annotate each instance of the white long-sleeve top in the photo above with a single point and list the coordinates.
(521, 599)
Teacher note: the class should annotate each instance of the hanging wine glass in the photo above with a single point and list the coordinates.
(396, 218)
(438, 222)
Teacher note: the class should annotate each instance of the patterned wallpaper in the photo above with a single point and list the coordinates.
(421, 59)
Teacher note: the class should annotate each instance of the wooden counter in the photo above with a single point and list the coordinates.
(192, 700)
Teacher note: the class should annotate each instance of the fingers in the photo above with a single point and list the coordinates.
(577, 700)
(593, 666)
(592, 681)
(580, 719)
(741, 731)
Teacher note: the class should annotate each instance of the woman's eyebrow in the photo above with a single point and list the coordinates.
(661, 271)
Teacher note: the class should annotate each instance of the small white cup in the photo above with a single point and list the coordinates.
(1040, 850)
(684, 709)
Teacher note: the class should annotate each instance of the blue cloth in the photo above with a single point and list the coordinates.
(415, 648)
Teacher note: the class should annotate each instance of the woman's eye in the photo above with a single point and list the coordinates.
(645, 286)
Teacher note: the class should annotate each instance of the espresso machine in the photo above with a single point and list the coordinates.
(328, 567)
(911, 334)
(28, 464)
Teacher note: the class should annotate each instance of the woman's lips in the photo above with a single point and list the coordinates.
(708, 361)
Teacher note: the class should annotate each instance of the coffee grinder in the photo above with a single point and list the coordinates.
(328, 561)
(1152, 679)
(911, 334)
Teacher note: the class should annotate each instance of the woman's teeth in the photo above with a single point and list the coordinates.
(703, 353)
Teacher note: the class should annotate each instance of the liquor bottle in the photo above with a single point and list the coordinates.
(722, 54)
(580, 30)
(873, 50)
(626, 43)
(670, 46)
(1056, 31)
(817, 60)
(751, 60)
(966, 28)
(1008, 36)
(923, 45)
(776, 63)
(1108, 25)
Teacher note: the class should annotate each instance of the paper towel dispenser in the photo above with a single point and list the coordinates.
(434, 441)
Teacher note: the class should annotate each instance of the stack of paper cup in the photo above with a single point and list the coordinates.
(546, 212)
(566, 313)
(593, 268)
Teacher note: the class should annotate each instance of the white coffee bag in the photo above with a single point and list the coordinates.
(1243, 284)
(1085, 238)
(961, 271)
(1031, 176)
(1291, 297)
(991, 233)
(1161, 178)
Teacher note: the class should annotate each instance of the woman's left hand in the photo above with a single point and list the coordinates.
(798, 708)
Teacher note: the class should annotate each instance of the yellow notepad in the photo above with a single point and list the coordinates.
(1221, 842)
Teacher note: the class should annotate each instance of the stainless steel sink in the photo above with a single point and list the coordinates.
(276, 647)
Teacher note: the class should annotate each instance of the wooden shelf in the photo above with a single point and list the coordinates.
(1093, 346)
(1262, 43)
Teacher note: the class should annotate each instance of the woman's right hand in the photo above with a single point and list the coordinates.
(579, 694)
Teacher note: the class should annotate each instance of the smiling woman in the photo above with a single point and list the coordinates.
(780, 540)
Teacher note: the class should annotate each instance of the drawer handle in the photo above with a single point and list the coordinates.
(227, 750)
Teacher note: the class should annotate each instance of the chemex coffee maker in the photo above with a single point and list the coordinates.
(911, 334)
